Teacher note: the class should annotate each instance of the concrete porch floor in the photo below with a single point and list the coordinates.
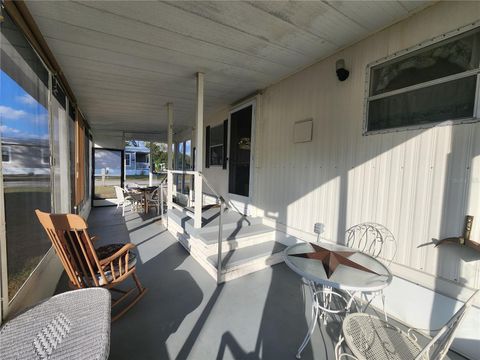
(185, 315)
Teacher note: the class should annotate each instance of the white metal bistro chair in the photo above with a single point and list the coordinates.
(377, 241)
(369, 337)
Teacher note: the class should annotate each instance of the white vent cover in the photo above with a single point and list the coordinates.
(302, 131)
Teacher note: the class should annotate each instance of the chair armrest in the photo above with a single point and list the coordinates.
(125, 248)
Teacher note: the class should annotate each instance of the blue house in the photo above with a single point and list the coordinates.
(137, 158)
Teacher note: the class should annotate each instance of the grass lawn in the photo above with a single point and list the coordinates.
(104, 192)
(17, 278)
(27, 242)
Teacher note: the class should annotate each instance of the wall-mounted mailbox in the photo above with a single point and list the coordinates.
(302, 131)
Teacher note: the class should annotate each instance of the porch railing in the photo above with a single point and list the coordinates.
(199, 179)
(160, 196)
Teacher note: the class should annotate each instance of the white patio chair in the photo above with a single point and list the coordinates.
(369, 337)
(377, 241)
(123, 199)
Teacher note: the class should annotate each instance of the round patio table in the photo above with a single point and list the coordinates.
(366, 274)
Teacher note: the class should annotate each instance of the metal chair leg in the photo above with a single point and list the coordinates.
(313, 320)
(313, 323)
(383, 304)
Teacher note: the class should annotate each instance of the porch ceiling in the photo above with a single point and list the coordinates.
(125, 60)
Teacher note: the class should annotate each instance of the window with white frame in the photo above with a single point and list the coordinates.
(216, 145)
(128, 159)
(435, 83)
(45, 152)
(6, 154)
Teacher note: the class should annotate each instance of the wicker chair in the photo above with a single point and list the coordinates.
(74, 325)
(123, 199)
(152, 199)
(377, 241)
(87, 266)
(369, 337)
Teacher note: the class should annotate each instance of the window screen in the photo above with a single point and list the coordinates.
(25, 132)
(433, 84)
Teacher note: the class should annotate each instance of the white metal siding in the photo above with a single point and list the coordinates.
(418, 183)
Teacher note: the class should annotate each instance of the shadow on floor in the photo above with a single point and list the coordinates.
(184, 315)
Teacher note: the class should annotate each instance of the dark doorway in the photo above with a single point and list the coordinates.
(240, 151)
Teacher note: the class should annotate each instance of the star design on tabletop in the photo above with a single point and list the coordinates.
(331, 259)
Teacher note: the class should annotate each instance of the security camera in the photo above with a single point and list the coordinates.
(342, 73)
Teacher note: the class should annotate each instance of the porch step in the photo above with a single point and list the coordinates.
(240, 262)
(248, 245)
(238, 257)
(239, 233)
(230, 220)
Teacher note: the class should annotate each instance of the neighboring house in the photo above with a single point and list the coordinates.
(137, 158)
(24, 157)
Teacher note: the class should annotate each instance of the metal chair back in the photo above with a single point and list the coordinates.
(438, 347)
(373, 239)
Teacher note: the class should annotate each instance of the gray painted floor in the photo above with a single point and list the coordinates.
(185, 315)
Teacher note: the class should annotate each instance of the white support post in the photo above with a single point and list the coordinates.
(199, 154)
(124, 161)
(150, 172)
(170, 157)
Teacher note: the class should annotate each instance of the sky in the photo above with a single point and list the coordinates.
(110, 160)
(21, 116)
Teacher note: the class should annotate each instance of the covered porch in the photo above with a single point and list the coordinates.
(245, 142)
(185, 315)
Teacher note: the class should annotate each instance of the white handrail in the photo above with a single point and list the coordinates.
(223, 204)
(218, 196)
(183, 172)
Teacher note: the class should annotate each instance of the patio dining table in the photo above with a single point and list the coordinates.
(143, 190)
(327, 266)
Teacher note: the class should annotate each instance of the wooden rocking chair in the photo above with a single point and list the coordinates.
(106, 266)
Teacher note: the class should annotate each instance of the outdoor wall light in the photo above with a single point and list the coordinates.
(342, 73)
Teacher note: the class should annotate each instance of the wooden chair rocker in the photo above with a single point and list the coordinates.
(86, 266)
